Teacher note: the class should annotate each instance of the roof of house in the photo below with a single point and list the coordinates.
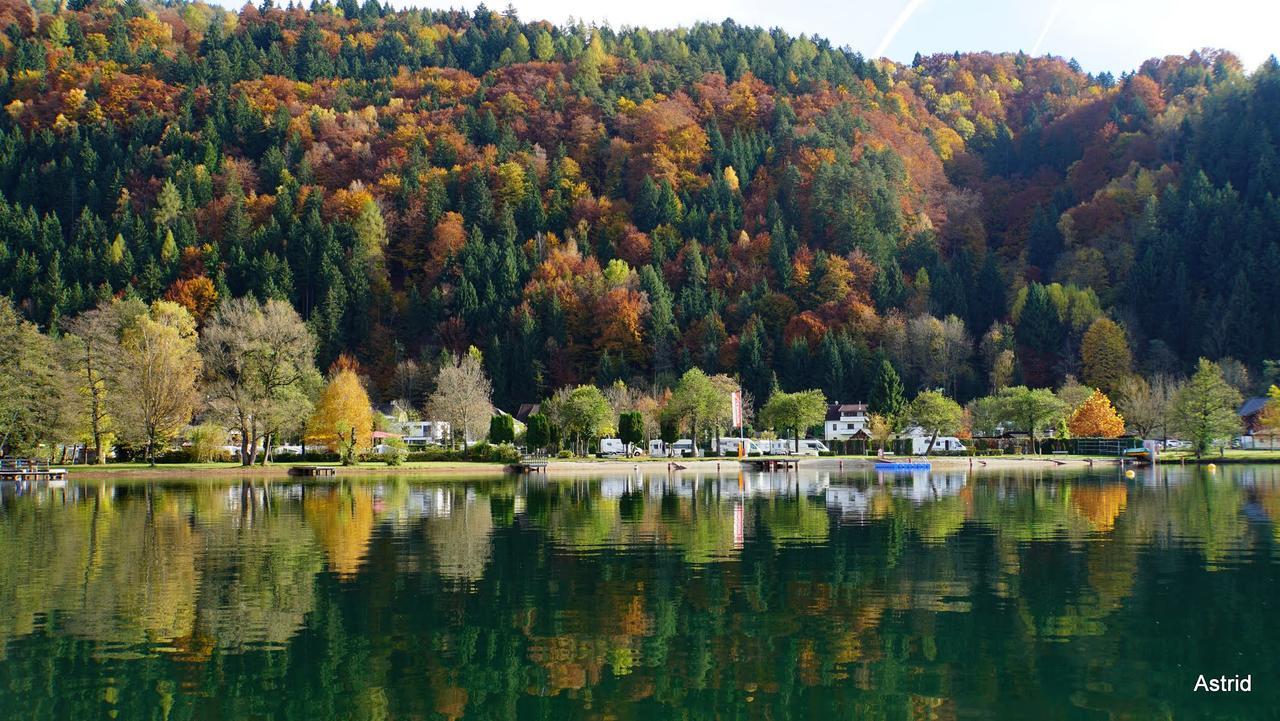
(836, 411)
(525, 410)
(1252, 406)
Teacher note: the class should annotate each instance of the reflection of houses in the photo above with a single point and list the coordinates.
(846, 422)
(919, 487)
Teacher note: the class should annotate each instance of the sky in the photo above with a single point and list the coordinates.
(1113, 35)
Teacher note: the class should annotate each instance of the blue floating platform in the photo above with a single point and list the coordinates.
(904, 466)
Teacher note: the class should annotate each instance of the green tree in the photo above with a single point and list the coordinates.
(1105, 356)
(631, 429)
(795, 412)
(537, 432)
(696, 400)
(31, 390)
(586, 415)
(502, 429)
(886, 392)
(936, 415)
(1205, 408)
(1031, 410)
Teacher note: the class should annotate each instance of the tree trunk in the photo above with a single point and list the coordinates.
(99, 457)
(245, 459)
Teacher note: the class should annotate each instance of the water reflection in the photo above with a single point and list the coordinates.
(913, 595)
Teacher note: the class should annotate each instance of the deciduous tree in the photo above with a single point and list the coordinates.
(94, 346)
(155, 376)
(795, 412)
(462, 396)
(936, 415)
(1096, 418)
(257, 359)
(343, 417)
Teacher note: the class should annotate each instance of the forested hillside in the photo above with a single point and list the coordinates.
(588, 204)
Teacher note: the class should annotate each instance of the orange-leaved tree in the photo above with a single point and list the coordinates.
(343, 418)
(1096, 418)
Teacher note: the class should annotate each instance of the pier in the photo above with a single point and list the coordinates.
(529, 464)
(314, 471)
(30, 469)
(771, 464)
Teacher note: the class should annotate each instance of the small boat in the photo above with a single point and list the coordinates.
(1138, 455)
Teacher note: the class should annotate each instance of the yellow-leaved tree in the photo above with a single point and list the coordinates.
(1096, 418)
(343, 419)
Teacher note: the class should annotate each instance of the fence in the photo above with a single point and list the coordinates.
(1073, 446)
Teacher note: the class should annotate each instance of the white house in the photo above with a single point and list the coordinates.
(846, 421)
(423, 433)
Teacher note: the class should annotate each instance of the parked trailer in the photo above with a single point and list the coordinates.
(806, 447)
(920, 445)
(614, 447)
(729, 445)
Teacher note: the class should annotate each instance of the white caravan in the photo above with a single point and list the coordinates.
(920, 445)
(788, 447)
(679, 449)
(615, 447)
(730, 444)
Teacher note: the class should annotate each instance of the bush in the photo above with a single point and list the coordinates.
(565, 454)
(480, 453)
(396, 452)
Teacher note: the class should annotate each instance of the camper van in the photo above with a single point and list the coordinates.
(679, 449)
(807, 447)
(920, 445)
(729, 445)
(615, 447)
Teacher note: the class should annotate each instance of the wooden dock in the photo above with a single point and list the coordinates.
(30, 469)
(531, 464)
(771, 464)
(314, 471)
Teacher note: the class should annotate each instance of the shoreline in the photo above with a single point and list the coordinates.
(556, 467)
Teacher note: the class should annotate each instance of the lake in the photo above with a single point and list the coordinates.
(1004, 594)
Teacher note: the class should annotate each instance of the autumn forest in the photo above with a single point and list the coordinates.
(588, 204)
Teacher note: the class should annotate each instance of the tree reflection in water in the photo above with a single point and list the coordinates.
(889, 596)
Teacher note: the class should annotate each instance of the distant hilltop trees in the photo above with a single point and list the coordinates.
(585, 204)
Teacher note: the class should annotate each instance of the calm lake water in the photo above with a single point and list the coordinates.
(1069, 595)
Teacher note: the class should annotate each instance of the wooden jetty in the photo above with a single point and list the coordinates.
(771, 464)
(314, 471)
(529, 464)
(30, 469)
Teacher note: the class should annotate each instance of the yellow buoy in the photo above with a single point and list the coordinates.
(1212, 467)
(1129, 474)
